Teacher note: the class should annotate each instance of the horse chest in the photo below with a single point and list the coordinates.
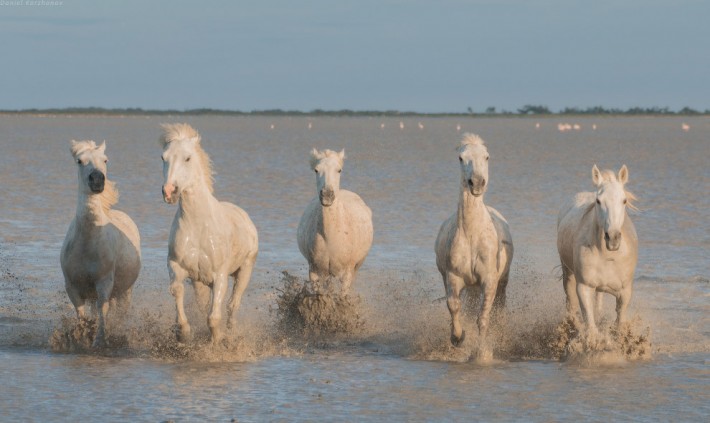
(469, 259)
(601, 271)
(200, 253)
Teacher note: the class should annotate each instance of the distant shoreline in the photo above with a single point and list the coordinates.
(526, 111)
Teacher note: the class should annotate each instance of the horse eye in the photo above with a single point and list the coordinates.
(340, 170)
(105, 160)
(460, 159)
(488, 157)
(598, 202)
(315, 170)
(624, 200)
(78, 161)
(187, 159)
(162, 158)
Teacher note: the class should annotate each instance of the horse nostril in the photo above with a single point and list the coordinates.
(606, 236)
(470, 182)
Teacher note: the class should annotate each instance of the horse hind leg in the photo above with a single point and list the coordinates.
(241, 281)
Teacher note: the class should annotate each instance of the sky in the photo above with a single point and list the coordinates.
(423, 56)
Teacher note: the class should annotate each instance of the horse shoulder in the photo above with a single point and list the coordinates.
(244, 229)
(308, 227)
(127, 227)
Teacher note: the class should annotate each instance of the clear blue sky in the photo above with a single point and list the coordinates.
(425, 56)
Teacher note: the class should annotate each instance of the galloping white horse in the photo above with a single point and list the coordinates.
(209, 239)
(101, 255)
(335, 231)
(474, 245)
(598, 247)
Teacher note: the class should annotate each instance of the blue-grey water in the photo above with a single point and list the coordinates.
(400, 365)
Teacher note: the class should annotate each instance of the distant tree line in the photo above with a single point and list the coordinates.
(528, 109)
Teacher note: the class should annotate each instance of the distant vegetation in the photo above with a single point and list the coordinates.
(526, 110)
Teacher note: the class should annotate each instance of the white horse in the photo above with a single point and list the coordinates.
(474, 246)
(209, 240)
(335, 231)
(598, 247)
(101, 255)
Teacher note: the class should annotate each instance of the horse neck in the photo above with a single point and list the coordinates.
(471, 212)
(596, 231)
(197, 202)
(332, 217)
(90, 211)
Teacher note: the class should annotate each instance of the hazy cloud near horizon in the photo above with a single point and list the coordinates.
(408, 55)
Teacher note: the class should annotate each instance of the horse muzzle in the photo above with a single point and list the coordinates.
(612, 240)
(170, 194)
(327, 197)
(97, 181)
(477, 186)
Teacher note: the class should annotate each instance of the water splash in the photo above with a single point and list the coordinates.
(316, 310)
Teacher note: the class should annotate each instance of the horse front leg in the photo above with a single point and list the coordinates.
(241, 281)
(219, 290)
(586, 296)
(76, 299)
(488, 286)
(177, 289)
(569, 283)
(622, 302)
(103, 296)
(454, 284)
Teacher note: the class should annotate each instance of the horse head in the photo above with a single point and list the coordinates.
(185, 163)
(91, 161)
(611, 202)
(327, 165)
(473, 158)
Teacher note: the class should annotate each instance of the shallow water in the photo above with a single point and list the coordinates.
(400, 365)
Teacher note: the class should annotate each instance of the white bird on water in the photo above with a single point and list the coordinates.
(382, 125)
(401, 125)
(273, 126)
(421, 126)
(458, 128)
(537, 125)
(310, 125)
(685, 127)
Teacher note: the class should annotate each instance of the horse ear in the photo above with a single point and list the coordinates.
(102, 147)
(623, 174)
(596, 176)
(341, 155)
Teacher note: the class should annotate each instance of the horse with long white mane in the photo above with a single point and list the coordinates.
(101, 255)
(474, 246)
(335, 231)
(598, 247)
(209, 239)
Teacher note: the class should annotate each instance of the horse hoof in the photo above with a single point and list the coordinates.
(183, 334)
(456, 342)
(98, 343)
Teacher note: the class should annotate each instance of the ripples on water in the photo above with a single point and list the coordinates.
(399, 364)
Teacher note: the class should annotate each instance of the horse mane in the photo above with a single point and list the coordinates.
(317, 156)
(183, 131)
(109, 196)
(471, 139)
